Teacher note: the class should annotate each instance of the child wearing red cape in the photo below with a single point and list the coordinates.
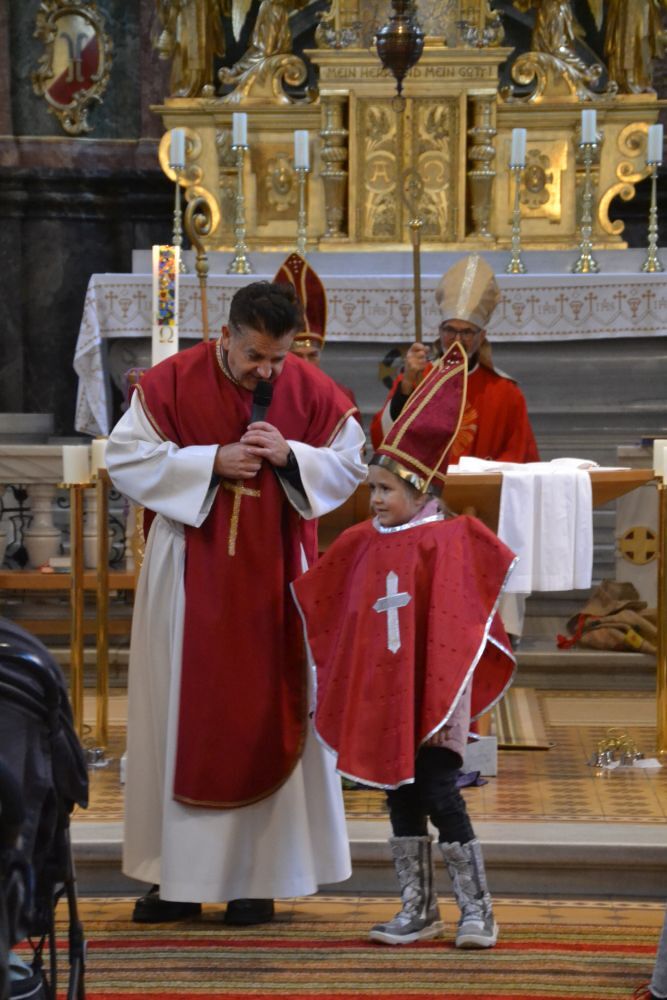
(401, 625)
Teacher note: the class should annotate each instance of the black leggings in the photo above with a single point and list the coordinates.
(433, 795)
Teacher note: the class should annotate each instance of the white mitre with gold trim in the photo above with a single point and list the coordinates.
(468, 291)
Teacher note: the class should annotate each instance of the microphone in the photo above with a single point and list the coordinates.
(261, 400)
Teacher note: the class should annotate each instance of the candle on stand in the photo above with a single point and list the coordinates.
(589, 126)
(98, 450)
(518, 155)
(177, 149)
(301, 151)
(239, 128)
(659, 444)
(76, 463)
(655, 144)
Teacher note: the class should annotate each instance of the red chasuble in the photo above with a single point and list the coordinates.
(242, 712)
(398, 622)
(495, 422)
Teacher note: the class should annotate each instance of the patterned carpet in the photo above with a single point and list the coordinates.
(318, 948)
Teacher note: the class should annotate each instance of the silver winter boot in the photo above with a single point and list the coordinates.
(419, 919)
(465, 864)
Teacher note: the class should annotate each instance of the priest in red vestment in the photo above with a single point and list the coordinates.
(400, 616)
(495, 423)
(228, 796)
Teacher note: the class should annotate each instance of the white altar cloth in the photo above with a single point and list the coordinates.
(367, 305)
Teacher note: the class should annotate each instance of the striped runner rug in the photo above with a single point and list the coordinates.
(300, 957)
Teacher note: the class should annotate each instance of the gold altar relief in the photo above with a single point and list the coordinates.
(424, 135)
(540, 196)
(226, 180)
(74, 69)
(631, 144)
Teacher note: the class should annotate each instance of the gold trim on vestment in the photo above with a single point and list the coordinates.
(222, 362)
(149, 416)
(335, 431)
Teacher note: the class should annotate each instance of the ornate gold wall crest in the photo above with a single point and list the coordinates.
(74, 70)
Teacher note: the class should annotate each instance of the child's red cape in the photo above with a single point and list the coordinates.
(376, 705)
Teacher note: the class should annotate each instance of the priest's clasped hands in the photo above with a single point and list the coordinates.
(243, 459)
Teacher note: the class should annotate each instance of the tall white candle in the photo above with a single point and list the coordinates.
(177, 149)
(659, 444)
(589, 125)
(655, 144)
(518, 155)
(239, 128)
(301, 151)
(76, 463)
(98, 449)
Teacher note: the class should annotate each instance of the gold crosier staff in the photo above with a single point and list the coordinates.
(200, 220)
(413, 188)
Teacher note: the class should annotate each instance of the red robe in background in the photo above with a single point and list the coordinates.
(495, 422)
(389, 677)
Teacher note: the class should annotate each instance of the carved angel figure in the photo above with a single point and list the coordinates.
(634, 36)
(192, 35)
(271, 36)
(554, 32)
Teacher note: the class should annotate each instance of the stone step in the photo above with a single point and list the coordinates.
(540, 664)
(591, 860)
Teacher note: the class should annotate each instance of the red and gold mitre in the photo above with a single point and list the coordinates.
(297, 272)
(417, 445)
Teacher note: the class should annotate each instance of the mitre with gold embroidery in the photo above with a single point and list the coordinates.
(306, 281)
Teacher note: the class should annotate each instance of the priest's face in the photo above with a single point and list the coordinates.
(253, 356)
(392, 501)
(467, 334)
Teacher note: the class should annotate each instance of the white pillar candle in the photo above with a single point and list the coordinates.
(655, 144)
(518, 155)
(301, 151)
(589, 125)
(659, 444)
(239, 128)
(98, 449)
(76, 463)
(177, 149)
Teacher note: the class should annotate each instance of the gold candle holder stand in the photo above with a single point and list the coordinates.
(102, 483)
(240, 263)
(586, 263)
(516, 264)
(652, 264)
(76, 492)
(301, 218)
(661, 659)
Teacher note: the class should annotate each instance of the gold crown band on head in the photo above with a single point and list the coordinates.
(469, 292)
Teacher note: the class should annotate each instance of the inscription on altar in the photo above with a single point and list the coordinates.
(418, 73)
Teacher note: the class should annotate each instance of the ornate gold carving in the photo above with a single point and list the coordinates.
(192, 35)
(540, 192)
(553, 67)
(634, 37)
(334, 162)
(631, 143)
(74, 70)
(481, 153)
(226, 178)
(280, 183)
(260, 75)
(380, 219)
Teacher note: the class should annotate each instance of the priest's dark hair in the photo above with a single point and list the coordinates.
(268, 307)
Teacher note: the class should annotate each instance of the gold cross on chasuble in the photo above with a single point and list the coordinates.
(239, 492)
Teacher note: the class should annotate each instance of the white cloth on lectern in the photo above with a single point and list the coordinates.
(288, 843)
(546, 517)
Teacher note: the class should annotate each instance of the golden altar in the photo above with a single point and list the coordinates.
(452, 132)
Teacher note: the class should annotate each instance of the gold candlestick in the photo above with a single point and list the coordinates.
(653, 262)
(301, 219)
(516, 264)
(586, 263)
(240, 264)
(661, 664)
